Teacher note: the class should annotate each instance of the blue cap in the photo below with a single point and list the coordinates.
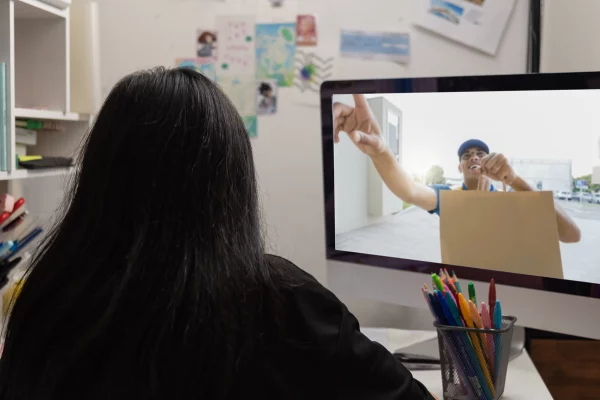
(472, 143)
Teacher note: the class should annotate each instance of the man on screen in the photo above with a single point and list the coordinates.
(478, 166)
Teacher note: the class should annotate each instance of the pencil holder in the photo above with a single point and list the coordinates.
(474, 361)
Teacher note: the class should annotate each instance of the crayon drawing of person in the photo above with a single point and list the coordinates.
(306, 30)
(267, 98)
(207, 44)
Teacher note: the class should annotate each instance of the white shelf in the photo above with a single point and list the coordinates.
(29, 9)
(41, 173)
(50, 115)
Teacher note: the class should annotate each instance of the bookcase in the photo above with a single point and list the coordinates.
(52, 74)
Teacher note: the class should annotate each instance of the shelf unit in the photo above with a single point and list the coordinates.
(52, 62)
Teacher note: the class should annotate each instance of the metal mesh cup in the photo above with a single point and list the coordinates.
(474, 361)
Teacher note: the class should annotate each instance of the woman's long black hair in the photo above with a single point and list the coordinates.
(154, 284)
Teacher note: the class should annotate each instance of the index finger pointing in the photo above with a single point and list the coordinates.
(360, 101)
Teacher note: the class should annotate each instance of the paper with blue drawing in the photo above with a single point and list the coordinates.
(275, 51)
(375, 45)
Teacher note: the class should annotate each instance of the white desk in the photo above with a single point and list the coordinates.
(523, 382)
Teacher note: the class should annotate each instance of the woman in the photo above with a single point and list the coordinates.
(155, 284)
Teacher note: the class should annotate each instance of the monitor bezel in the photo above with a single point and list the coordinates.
(479, 83)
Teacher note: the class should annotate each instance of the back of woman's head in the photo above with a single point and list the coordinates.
(154, 282)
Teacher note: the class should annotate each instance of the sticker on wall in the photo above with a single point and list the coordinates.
(196, 64)
(306, 30)
(266, 97)
(311, 71)
(236, 45)
(206, 46)
(275, 51)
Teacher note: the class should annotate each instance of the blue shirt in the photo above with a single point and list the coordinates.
(438, 188)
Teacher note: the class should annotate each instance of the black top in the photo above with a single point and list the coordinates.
(326, 356)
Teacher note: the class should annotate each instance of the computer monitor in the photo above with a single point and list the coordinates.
(437, 131)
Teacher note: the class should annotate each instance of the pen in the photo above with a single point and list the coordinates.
(489, 339)
(452, 287)
(464, 307)
(6, 246)
(457, 344)
(456, 282)
(437, 282)
(428, 301)
(20, 244)
(472, 295)
(497, 342)
(447, 290)
(481, 336)
(467, 349)
(454, 352)
(492, 297)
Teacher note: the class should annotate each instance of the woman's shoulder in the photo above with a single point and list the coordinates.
(289, 270)
(303, 288)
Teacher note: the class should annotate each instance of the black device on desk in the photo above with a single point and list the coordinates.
(420, 356)
(417, 362)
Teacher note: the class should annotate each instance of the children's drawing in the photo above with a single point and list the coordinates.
(311, 71)
(275, 51)
(306, 30)
(266, 97)
(236, 45)
(196, 64)
(251, 125)
(240, 90)
(206, 46)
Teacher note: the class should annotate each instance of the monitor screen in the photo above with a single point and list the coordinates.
(491, 176)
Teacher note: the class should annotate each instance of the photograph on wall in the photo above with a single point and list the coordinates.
(391, 46)
(447, 10)
(275, 51)
(306, 30)
(266, 97)
(197, 64)
(312, 70)
(533, 182)
(479, 24)
(236, 45)
(206, 46)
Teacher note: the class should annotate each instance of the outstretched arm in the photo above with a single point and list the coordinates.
(399, 181)
(363, 129)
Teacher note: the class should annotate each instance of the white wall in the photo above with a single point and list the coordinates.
(144, 33)
(350, 176)
(570, 32)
